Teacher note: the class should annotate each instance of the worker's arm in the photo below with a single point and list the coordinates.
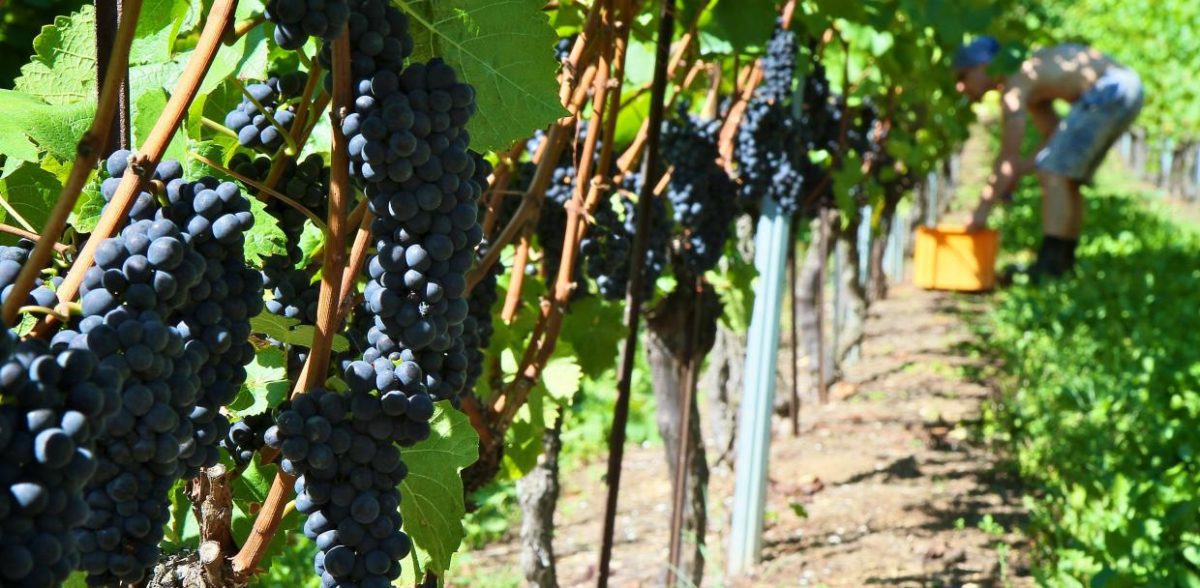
(1006, 171)
(1045, 120)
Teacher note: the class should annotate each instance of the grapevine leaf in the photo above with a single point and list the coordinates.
(31, 191)
(26, 325)
(87, 210)
(593, 328)
(503, 49)
(63, 68)
(432, 505)
(158, 26)
(254, 483)
(145, 115)
(30, 125)
(743, 25)
(291, 332)
(265, 238)
(311, 239)
(523, 443)
(266, 383)
(77, 579)
(561, 378)
(210, 150)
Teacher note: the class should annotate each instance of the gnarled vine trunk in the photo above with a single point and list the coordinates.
(853, 295)
(808, 289)
(537, 493)
(669, 328)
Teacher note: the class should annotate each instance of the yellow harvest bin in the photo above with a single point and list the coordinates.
(950, 258)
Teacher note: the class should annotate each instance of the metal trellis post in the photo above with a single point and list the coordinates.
(754, 415)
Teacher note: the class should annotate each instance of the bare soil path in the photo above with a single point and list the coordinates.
(886, 485)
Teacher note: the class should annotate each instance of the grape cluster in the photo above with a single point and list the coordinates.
(12, 259)
(297, 20)
(167, 305)
(609, 245)
(293, 291)
(53, 405)
(348, 469)
(423, 192)
(247, 436)
(253, 125)
(144, 447)
(144, 204)
(477, 327)
(562, 49)
(778, 65)
(701, 194)
(216, 319)
(379, 42)
(409, 150)
(770, 153)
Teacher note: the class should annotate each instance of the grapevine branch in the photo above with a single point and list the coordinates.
(32, 236)
(87, 153)
(547, 156)
(546, 330)
(500, 180)
(358, 257)
(317, 365)
(142, 164)
(513, 297)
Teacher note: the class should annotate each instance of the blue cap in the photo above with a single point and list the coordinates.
(980, 50)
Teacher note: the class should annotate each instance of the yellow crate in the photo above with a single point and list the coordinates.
(949, 258)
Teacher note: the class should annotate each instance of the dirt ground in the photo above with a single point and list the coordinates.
(886, 485)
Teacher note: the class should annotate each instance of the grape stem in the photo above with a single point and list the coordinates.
(218, 127)
(292, 149)
(87, 153)
(262, 189)
(44, 310)
(32, 236)
(316, 366)
(143, 163)
(8, 207)
(242, 28)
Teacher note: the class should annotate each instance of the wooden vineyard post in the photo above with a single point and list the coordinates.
(633, 293)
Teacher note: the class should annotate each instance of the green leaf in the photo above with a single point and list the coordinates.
(266, 237)
(211, 150)
(743, 25)
(88, 208)
(31, 191)
(266, 383)
(311, 239)
(76, 580)
(249, 492)
(432, 504)
(254, 483)
(29, 125)
(594, 328)
(291, 332)
(63, 69)
(158, 26)
(504, 50)
(798, 509)
(561, 377)
(145, 115)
